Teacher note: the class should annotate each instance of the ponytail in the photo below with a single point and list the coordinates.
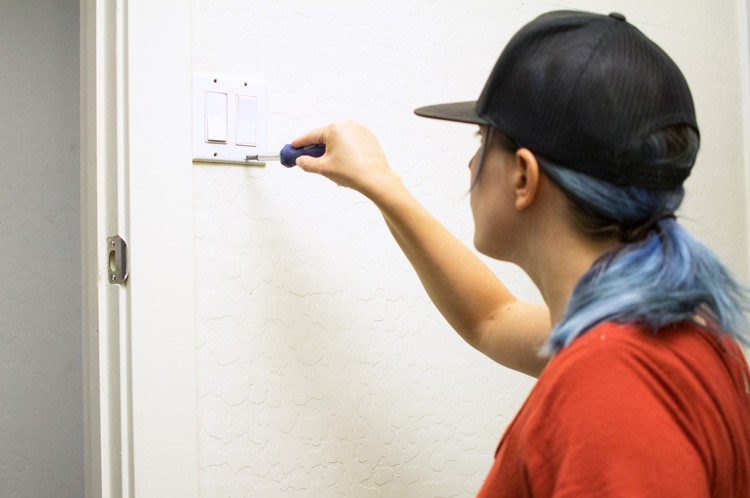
(661, 275)
(667, 278)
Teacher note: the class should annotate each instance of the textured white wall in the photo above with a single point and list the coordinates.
(324, 370)
(41, 414)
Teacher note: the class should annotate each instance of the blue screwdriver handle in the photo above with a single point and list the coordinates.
(288, 155)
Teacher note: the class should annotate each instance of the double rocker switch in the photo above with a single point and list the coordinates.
(217, 119)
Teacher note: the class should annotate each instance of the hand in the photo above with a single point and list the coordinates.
(353, 158)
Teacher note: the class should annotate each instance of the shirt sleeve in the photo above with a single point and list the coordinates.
(613, 425)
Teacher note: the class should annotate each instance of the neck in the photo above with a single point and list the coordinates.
(556, 256)
(556, 272)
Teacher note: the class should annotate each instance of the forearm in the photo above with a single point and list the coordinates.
(473, 300)
(461, 286)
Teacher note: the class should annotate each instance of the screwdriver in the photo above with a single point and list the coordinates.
(288, 155)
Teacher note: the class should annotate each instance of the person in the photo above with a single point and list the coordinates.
(588, 133)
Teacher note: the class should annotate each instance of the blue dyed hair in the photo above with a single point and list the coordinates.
(661, 275)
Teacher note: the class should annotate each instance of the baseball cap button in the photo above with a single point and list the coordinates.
(618, 16)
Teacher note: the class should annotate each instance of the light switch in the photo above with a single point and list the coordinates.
(216, 117)
(230, 115)
(247, 121)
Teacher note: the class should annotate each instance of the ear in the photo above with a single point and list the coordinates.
(526, 178)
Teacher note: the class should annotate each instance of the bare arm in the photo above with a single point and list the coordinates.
(471, 298)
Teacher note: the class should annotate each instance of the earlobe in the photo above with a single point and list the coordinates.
(526, 181)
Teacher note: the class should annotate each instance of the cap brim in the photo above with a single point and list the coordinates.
(462, 112)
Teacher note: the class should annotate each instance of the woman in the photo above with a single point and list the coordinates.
(588, 132)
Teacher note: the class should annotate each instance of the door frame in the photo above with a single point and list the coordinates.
(140, 434)
(136, 181)
(743, 7)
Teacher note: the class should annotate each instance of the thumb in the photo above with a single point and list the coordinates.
(310, 164)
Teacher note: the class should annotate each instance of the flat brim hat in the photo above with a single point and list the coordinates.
(584, 91)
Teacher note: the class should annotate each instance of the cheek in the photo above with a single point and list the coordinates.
(475, 185)
(484, 214)
(493, 212)
(492, 230)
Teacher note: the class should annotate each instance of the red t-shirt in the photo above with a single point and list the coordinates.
(622, 413)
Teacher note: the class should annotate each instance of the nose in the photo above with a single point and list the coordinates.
(474, 160)
(474, 168)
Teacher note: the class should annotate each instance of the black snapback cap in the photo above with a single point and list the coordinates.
(584, 91)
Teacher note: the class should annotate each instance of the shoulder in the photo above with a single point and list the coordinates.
(610, 349)
(635, 348)
(613, 364)
(614, 401)
(682, 361)
(625, 383)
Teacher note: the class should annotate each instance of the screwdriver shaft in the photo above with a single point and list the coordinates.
(263, 158)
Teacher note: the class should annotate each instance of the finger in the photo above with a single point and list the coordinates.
(309, 163)
(317, 136)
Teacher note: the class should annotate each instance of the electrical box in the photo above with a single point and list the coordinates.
(229, 118)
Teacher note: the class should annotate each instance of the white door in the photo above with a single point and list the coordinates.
(138, 336)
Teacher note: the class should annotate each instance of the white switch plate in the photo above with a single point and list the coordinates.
(233, 151)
